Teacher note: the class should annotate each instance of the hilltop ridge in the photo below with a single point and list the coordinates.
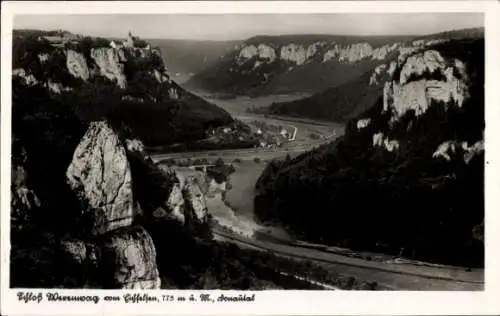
(306, 63)
(122, 80)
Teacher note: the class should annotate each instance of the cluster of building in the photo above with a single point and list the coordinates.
(130, 42)
(63, 37)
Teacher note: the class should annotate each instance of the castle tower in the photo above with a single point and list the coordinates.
(130, 40)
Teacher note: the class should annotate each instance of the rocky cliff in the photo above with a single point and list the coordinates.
(89, 221)
(125, 83)
(307, 63)
(345, 101)
(407, 177)
(88, 207)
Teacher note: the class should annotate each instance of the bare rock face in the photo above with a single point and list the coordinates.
(379, 140)
(429, 62)
(135, 145)
(43, 58)
(76, 250)
(100, 174)
(331, 54)
(108, 61)
(404, 93)
(77, 65)
(362, 123)
(22, 199)
(186, 201)
(380, 53)
(196, 199)
(159, 76)
(377, 72)
(313, 49)
(56, 87)
(449, 149)
(27, 78)
(176, 203)
(355, 52)
(129, 257)
(264, 52)
(247, 52)
(293, 53)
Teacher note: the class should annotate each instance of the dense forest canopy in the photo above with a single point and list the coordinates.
(146, 105)
(354, 194)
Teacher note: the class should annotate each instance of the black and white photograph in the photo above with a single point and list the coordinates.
(249, 152)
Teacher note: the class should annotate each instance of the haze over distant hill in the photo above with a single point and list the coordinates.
(345, 101)
(188, 57)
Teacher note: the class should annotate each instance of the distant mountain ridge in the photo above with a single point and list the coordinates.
(343, 102)
(188, 57)
(305, 63)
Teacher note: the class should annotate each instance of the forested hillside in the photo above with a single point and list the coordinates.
(343, 102)
(407, 177)
(129, 84)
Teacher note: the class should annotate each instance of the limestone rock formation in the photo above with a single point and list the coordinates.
(195, 199)
(264, 52)
(100, 174)
(449, 149)
(377, 72)
(176, 203)
(134, 145)
(293, 53)
(355, 52)
(382, 52)
(43, 58)
(23, 200)
(108, 61)
(128, 256)
(362, 123)
(79, 251)
(314, 49)
(186, 200)
(77, 65)
(403, 94)
(56, 87)
(27, 78)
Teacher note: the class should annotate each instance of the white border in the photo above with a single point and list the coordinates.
(278, 302)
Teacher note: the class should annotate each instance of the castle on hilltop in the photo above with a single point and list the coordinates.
(131, 42)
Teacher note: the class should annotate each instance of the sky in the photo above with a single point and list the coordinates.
(238, 26)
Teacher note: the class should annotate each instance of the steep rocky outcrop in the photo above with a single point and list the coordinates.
(77, 65)
(409, 171)
(111, 248)
(108, 61)
(285, 64)
(90, 209)
(345, 101)
(100, 78)
(101, 174)
(186, 199)
(310, 64)
(130, 259)
(82, 207)
(402, 95)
